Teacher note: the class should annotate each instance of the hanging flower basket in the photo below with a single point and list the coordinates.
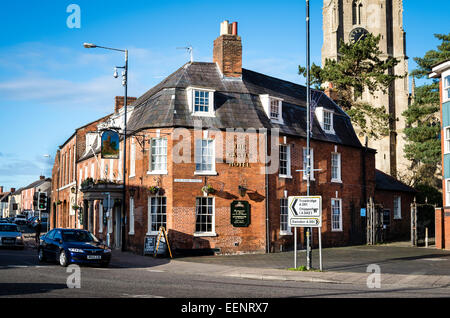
(59, 202)
(154, 190)
(75, 207)
(208, 189)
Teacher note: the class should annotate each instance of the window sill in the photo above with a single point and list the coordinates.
(200, 114)
(285, 176)
(205, 173)
(157, 172)
(209, 234)
(131, 176)
(312, 179)
(284, 233)
(336, 230)
(398, 219)
(151, 233)
(131, 233)
(336, 181)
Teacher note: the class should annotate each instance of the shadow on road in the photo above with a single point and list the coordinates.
(10, 289)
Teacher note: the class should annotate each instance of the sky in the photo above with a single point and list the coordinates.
(50, 84)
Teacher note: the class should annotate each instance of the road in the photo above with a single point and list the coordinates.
(21, 275)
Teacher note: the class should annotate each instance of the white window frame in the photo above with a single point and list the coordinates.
(213, 217)
(447, 192)
(131, 221)
(132, 159)
(199, 157)
(397, 207)
(305, 164)
(100, 217)
(191, 91)
(161, 203)
(338, 179)
(284, 217)
(266, 101)
(333, 222)
(150, 168)
(288, 162)
(320, 114)
(447, 139)
(446, 87)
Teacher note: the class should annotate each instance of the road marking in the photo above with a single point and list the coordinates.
(432, 259)
(141, 296)
(155, 271)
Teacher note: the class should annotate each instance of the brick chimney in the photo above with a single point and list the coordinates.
(120, 102)
(13, 190)
(227, 51)
(331, 92)
(1, 189)
(42, 178)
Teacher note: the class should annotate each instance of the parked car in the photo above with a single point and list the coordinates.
(20, 219)
(4, 220)
(10, 236)
(73, 246)
(44, 223)
(30, 221)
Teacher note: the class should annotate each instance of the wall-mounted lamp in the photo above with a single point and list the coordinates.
(72, 189)
(132, 191)
(242, 190)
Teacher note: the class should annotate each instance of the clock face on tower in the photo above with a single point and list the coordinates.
(357, 34)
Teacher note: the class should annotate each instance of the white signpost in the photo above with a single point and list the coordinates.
(305, 211)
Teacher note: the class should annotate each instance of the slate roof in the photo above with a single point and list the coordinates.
(237, 104)
(385, 182)
(36, 183)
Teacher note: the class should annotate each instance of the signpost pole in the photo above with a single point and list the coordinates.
(308, 124)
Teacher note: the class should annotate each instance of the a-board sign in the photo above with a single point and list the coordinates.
(240, 213)
(305, 211)
(150, 245)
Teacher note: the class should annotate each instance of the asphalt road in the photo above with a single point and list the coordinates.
(21, 275)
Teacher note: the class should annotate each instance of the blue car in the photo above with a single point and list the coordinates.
(68, 246)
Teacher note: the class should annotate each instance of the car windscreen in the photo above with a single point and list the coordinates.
(8, 228)
(78, 236)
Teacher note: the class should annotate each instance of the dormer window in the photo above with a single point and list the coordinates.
(325, 118)
(273, 107)
(201, 101)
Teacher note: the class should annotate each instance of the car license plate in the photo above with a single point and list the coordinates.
(8, 241)
(94, 257)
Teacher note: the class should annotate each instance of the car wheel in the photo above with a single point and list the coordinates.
(63, 259)
(41, 255)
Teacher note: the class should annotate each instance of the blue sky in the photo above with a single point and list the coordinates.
(50, 84)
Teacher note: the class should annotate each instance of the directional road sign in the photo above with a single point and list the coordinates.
(305, 211)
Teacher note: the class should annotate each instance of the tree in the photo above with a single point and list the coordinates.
(423, 145)
(359, 68)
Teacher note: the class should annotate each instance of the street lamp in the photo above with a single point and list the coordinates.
(45, 156)
(125, 85)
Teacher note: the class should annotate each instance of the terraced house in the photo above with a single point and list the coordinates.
(214, 151)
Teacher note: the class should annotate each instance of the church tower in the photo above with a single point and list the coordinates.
(348, 20)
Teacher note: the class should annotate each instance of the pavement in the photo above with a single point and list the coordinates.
(399, 265)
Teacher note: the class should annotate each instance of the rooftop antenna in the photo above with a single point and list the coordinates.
(189, 49)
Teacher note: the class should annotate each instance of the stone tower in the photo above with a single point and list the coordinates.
(347, 19)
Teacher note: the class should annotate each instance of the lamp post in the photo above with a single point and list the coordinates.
(125, 85)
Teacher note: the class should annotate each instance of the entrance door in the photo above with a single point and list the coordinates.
(117, 227)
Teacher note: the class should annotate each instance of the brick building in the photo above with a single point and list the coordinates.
(441, 72)
(215, 135)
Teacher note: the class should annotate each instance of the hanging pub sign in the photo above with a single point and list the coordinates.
(110, 145)
(240, 214)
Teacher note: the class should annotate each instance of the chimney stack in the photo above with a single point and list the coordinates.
(42, 178)
(1, 189)
(331, 92)
(227, 51)
(120, 101)
(13, 190)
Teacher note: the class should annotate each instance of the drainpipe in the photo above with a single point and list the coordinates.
(267, 196)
